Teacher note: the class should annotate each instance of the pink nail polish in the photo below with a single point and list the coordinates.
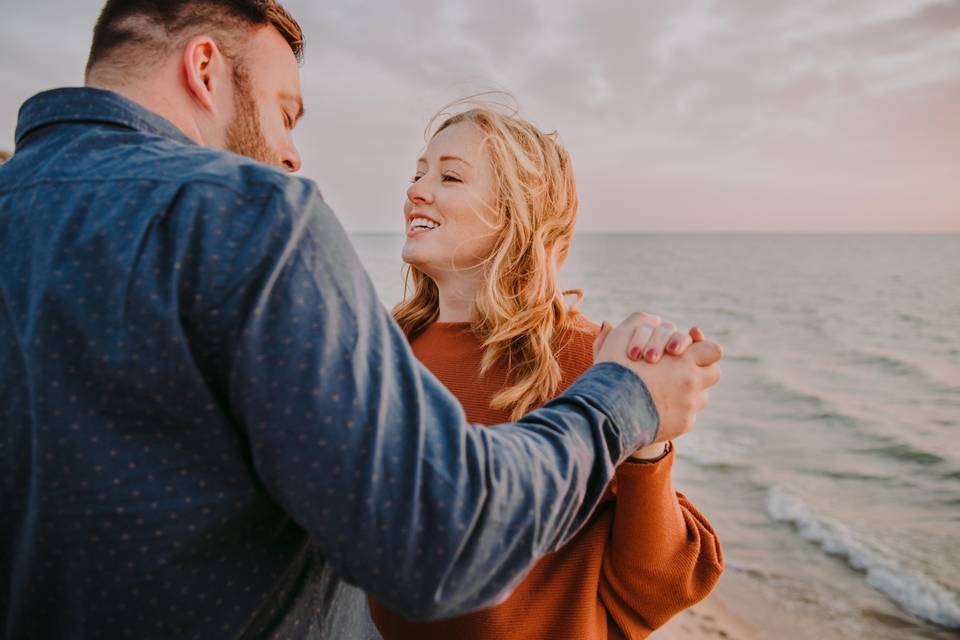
(650, 355)
(672, 346)
(635, 353)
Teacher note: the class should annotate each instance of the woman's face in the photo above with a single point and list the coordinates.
(449, 211)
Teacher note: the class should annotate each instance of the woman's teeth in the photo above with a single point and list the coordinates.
(418, 224)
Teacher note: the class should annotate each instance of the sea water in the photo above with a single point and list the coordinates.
(829, 457)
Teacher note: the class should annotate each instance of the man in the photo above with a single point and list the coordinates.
(205, 410)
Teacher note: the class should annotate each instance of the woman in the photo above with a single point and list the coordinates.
(490, 216)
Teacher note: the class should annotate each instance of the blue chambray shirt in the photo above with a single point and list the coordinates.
(208, 420)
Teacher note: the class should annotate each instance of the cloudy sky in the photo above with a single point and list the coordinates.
(681, 115)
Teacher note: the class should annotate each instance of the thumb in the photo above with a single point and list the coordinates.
(605, 330)
(706, 353)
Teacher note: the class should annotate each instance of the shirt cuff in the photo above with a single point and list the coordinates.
(624, 398)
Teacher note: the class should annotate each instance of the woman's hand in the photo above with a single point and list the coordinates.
(652, 339)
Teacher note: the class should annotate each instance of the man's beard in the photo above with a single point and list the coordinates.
(244, 134)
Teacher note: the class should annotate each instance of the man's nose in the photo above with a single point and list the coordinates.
(290, 159)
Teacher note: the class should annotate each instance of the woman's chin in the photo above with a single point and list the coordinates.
(414, 255)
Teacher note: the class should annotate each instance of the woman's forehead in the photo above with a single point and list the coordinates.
(463, 139)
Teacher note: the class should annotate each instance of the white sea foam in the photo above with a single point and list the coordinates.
(914, 592)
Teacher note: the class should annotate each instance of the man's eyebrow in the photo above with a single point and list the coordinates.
(294, 98)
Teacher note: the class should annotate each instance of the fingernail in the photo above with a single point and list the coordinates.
(673, 346)
(634, 353)
(651, 354)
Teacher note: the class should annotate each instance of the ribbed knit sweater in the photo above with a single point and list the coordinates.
(645, 555)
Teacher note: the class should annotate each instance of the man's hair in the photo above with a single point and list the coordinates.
(130, 33)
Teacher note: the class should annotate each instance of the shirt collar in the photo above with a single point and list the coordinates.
(87, 104)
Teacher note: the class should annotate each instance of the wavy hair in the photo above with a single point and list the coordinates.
(519, 312)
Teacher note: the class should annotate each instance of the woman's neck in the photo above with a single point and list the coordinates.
(457, 297)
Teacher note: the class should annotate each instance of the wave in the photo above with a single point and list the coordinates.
(835, 418)
(710, 451)
(853, 475)
(809, 406)
(901, 368)
(745, 358)
(906, 453)
(916, 593)
(782, 394)
(889, 364)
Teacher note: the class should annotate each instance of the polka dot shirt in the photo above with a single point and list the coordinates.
(208, 424)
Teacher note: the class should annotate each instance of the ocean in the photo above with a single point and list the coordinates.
(829, 457)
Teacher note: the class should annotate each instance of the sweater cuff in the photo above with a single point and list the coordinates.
(624, 398)
(643, 472)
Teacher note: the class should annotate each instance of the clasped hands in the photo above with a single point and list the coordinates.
(677, 367)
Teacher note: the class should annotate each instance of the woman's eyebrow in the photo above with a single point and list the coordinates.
(457, 158)
(423, 160)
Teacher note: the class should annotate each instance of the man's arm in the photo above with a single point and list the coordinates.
(367, 451)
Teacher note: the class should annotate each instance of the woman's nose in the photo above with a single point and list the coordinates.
(420, 191)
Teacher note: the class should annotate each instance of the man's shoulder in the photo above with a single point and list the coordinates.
(228, 191)
(245, 215)
(223, 174)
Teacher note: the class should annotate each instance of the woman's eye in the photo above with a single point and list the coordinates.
(416, 177)
(450, 178)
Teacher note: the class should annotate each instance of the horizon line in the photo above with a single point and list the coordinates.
(586, 232)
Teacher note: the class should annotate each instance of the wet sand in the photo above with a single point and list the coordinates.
(709, 620)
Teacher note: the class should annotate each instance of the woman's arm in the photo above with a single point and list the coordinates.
(663, 555)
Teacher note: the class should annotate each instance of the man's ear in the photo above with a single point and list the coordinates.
(203, 68)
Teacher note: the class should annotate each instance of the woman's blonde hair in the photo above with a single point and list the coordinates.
(519, 310)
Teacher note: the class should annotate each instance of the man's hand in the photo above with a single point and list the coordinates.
(678, 384)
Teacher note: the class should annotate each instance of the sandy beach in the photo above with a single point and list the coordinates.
(709, 620)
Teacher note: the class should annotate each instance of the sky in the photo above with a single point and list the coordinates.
(680, 115)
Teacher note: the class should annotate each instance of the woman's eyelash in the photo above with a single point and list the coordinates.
(445, 177)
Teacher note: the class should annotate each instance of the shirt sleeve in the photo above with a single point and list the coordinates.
(663, 555)
(367, 451)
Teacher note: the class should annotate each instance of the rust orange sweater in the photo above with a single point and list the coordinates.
(645, 555)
